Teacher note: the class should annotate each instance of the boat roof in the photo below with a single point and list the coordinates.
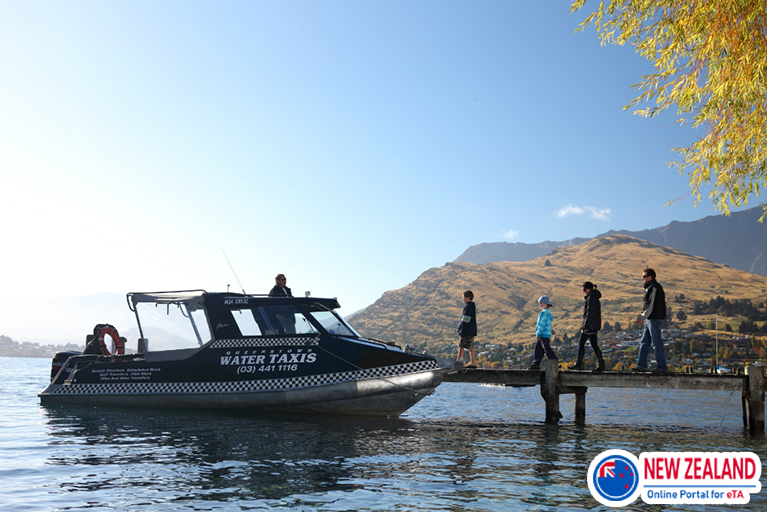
(167, 297)
(195, 299)
(192, 298)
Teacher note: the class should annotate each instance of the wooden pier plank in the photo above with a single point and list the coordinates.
(649, 380)
(525, 378)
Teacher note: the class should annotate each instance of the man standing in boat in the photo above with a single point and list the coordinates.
(287, 317)
(280, 289)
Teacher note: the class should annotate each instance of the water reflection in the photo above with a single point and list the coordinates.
(205, 460)
(265, 457)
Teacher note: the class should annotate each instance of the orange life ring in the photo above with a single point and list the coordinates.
(111, 331)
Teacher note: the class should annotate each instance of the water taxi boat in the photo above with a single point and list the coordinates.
(251, 352)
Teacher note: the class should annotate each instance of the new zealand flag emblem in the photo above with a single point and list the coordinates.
(614, 478)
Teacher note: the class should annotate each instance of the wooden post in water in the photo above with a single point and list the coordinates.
(551, 393)
(755, 398)
(580, 407)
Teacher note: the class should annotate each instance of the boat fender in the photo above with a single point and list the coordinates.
(101, 331)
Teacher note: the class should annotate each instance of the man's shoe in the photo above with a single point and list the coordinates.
(535, 367)
(642, 370)
(598, 369)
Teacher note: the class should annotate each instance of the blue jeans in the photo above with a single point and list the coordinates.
(652, 335)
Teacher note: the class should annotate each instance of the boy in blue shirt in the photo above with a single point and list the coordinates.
(543, 333)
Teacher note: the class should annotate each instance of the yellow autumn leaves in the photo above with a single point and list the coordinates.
(710, 62)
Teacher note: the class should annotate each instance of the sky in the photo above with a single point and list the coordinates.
(351, 145)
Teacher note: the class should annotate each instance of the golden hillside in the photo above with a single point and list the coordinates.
(426, 311)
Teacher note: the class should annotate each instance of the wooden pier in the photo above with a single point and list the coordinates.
(555, 382)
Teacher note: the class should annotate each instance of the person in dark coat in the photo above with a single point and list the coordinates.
(592, 323)
(467, 330)
(653, 315)
(287, 317)
(280, 289)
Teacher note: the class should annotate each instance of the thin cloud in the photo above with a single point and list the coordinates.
(570, 210)
(510, 234)
(595, 213)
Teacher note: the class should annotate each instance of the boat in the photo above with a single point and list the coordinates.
(249, 352)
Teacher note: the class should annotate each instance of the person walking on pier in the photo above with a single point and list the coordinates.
(543, 333)
(467, 330)
(653, 315)
(592, 323)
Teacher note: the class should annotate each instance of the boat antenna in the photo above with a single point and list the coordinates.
(233, 272)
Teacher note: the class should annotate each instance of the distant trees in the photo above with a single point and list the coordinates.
(747, 327)
(681, 315)
(725, 307)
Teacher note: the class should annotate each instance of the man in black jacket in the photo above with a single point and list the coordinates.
(653, 316)
(286, 315)
(280, 289)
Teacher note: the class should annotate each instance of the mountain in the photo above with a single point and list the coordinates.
(738, 241)
(511, 251)
(425, 312)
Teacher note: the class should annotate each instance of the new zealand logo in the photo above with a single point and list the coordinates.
(614, 478)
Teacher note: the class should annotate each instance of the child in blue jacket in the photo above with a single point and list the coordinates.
(543, 333)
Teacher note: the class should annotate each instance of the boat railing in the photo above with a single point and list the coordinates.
(382, 342)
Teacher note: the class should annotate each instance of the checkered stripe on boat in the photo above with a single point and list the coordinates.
(244, 386)
(265, 342)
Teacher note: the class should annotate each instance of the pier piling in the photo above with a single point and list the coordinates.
(551, 392)
(755, 398)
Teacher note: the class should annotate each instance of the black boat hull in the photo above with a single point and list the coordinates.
(378, 391)
(384, 396)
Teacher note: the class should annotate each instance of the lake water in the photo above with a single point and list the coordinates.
(467, 447)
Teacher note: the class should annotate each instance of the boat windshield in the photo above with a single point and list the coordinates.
(173, 326)
(288, 319)
(333, 323)
(272, 321)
